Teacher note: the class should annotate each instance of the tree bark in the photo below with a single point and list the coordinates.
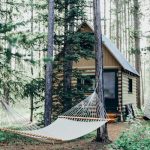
(105, 17)
(125, 30)
(117, 22)
(129, 37)
(49, 66)
(67, 66)
(110, 16)
(31, 97)
(31, 107)
(137, 48)
(102, 134)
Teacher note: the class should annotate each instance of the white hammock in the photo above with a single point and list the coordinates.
(62, 130)
(82, 119)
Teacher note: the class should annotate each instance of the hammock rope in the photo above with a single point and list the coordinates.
(80, 120)
(91, 107)
(11, 119)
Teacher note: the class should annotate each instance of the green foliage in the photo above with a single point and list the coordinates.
(21, 47)
(17, 46)
(72, 46)
(11, 138)
(135, 138)
(10, 87)
(34, 88)
(46, 59)
(135, 51)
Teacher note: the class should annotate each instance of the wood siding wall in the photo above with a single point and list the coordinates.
(109, 62)
(128, 98)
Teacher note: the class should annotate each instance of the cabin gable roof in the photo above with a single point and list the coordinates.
(113, 50)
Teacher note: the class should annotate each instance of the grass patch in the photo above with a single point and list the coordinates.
(11, 138)
(137, 137)
(89, 136)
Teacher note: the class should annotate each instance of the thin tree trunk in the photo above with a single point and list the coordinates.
(129, 37)
(142, 75)
(31, 97)
(102, 134)
(120, 28)
(110, 24)
(137, 48)
(31, 108)
(39, 28)
(104, 17)
(132, 36)
(125, 30)
(32, 33)
(117, 22)
(6, 93)
(49, 67)
(7, 46)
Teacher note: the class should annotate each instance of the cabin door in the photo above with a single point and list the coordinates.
(110, 91)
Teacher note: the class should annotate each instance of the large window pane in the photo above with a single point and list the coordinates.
(109, 85)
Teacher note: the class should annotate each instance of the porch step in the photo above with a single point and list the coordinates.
(113, 117)
(112, 120)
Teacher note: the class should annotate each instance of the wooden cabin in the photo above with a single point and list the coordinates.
(120, 78)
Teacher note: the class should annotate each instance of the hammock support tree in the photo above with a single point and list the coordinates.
(76, 122)
(147, 110)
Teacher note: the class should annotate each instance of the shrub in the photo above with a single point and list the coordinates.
(137, 137)
(11, 138)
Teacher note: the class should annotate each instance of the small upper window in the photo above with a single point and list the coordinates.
(130, 85)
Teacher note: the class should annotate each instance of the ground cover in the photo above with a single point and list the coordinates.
(14, 142)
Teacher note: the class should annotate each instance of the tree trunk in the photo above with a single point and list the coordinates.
(102, 135)
(129, 37)
(6, 93)
(67, 66)
(49, 67)
(137, 48)
(110, 16)
(31, 108)
(117, 22)
(120, 27)
(125, 30)
(31, 97)
(105, 17)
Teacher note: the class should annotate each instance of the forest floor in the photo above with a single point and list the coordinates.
(84, 143)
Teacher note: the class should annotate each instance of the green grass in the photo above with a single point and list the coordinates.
(89, 136)
(11, 138)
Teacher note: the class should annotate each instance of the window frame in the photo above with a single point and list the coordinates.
(83, 83)
(130, 85)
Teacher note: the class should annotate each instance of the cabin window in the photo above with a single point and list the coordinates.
(130, 85)
(86, 83)
(109, 85)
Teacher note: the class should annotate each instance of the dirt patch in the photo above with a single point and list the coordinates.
(115, 129)
(85, 143)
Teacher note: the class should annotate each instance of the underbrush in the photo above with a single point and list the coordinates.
(137, 137)
(10, 138)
